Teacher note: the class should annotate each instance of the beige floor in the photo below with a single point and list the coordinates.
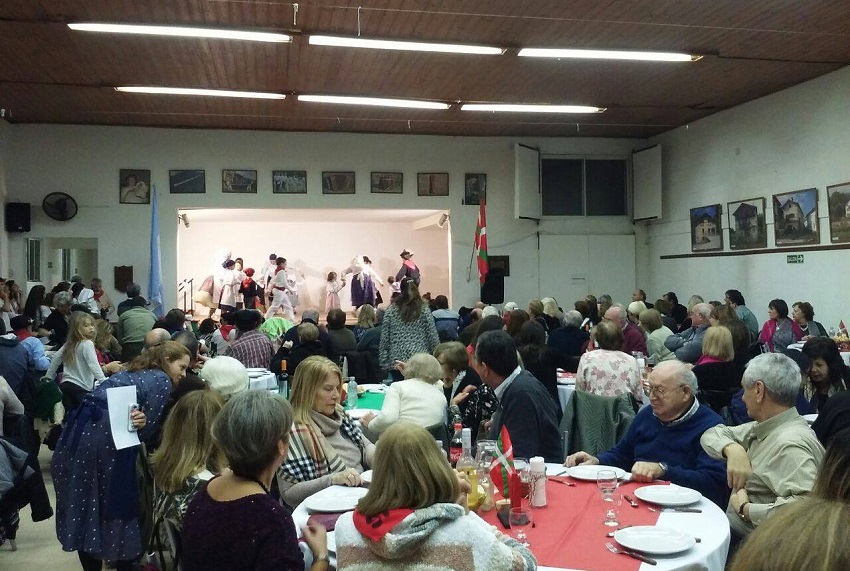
(38, 549)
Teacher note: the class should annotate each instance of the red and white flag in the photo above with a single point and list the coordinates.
(481, 243)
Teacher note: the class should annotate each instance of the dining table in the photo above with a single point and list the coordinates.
(569, 533)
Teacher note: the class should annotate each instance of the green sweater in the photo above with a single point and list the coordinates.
(134, 324)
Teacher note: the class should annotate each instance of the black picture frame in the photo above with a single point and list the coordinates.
(289, 182)
(338, 182)
(239, 181)
(474, 188)
(134, 186)
(387, 183)
(187, 181)
(432, 183)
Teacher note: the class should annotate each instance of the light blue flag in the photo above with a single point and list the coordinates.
(155, 280)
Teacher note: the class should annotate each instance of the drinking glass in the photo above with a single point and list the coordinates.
(518, 519)
(485, 455)
(611, 506)
(607, 481)
(523, 470)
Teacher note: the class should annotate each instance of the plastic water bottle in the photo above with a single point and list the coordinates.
(351, 398)
(389, 380)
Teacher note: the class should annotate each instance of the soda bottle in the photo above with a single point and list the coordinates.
(456, 445)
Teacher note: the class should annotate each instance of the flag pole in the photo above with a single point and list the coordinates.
(471, 259)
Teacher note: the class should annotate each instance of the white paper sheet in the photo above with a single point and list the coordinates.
(118, 400)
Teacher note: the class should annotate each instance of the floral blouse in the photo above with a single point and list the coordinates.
(609, 373)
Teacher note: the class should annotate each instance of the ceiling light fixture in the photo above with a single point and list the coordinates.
(515, 108)
(200, 92)
(374, 101)
(181, 31)
(348, 42)
(607, 54)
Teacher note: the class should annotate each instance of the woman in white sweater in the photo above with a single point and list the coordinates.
(417, 399)
(81, 370)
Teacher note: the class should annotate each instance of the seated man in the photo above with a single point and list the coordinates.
(687, 345)
(525, 407)
(251, 347)
(633, 336)
(663, 441)
(773, 460)
(570, 338)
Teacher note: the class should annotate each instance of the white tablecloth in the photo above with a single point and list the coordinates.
(846, 356)
(565, 393)
(267, 380)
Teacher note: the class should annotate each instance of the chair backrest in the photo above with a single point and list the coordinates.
(363, 367)
(596, 423)
(441, 433)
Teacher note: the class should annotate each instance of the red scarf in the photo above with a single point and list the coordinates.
(98, 295)
(225, 330)
(246, 283)
(22, 334)
(410, 264)
(707, 360)
(377, 526)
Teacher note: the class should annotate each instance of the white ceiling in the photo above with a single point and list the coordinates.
(204, 215)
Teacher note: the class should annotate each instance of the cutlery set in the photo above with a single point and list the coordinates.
(613, 549)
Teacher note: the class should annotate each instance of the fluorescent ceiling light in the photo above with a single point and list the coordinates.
(347, 42)
(201, 92)
(375, 101)
(607, 54)
(512, 108)
(186, 32)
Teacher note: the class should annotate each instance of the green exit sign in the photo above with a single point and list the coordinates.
(795, 258)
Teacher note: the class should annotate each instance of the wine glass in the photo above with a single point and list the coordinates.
(523, 470)
(611, 506)
(518, 519)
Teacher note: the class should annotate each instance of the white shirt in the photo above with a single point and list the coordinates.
(414, 401)
(279, 280)
(500, 390)
(85, 369)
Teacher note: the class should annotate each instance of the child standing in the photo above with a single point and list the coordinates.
(332, 289)
(249, 289)
(395, 288)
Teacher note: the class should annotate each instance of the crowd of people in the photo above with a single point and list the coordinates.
(714, 401)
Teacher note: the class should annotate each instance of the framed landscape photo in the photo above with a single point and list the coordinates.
(134, 186)
(187, 182)
(795, 217)
(838, 202)
(338, 182)
(706, 229)
(289, 182)
(241, 181)
(474, 188)
(747, 226)
(432, 183)
(387, 182)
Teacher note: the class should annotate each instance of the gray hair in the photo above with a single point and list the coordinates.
(312, 314)
(225, 375)
(510, 306)
(425, 367)
(573, 318)
(681, 372)
(76, 279)
(605, 298)
(249, 428)
(703, 309)
(621, 311)
(550, 307)
(694, 300)
(637, 307)
(489, 310)
(133, 289)
(62, 298)
(779, 373)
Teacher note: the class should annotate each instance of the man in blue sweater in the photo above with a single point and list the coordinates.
(663, 441)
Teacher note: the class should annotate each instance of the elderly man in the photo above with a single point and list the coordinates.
(251, 347)
(640, 295)
(633, 337)
(570, 338)
(735, 300)
(687, 345)
(774, 459)
(134, 292)
(525, 408)
(155, 337)
(663, 441)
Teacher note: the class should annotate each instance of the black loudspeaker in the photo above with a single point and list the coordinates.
(17, 217)
(493, 288)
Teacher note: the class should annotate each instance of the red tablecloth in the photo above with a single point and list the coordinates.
(569, 532)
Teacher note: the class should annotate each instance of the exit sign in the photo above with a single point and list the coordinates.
(795, 258)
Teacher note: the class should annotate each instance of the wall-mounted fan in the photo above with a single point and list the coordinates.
(59, 206)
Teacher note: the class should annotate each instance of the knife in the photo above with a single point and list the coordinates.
(631, 500)
(684, 510)
(551, 479)
(640, 556)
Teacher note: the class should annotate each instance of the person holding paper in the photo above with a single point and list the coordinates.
(96, 494)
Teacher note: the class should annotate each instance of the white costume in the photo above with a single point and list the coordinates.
(293, 278)
(280, 297)
(332, 290)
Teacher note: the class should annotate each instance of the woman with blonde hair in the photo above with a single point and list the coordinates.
(326, 446)
(718, 375)
(417, 399)
(656, 334)
(809, 534)
(415, 511)
(187, 457)
(365, 320)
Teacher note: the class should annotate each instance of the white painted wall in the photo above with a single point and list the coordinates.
(321, 248)
(798, 138)
(5, 136)
(84, 161)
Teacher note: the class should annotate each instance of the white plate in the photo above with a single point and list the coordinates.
(567, 381)
(668, 495)
(810, 418)
(357, 413)
(366, 477)
(341, 500)
(654, 540)
(257, 370)
(589, 472)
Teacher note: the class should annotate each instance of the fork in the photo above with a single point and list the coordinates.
(633, 554)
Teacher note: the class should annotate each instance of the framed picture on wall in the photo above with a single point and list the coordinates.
(289, 182)
(387, 182)
(838, 202)
(432, 183)
(240, 181)
(134, 186)
(187, 182)
(474, 188)
(795, 217)
(706, 229)
(747, 226)
(338, 182)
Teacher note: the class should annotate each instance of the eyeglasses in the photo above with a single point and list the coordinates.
(661, 392)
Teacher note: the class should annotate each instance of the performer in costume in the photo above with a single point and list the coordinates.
(362, 283)
(409, 269)
(280, 298)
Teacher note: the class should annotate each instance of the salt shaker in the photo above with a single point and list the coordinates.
(537, 468)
